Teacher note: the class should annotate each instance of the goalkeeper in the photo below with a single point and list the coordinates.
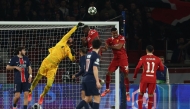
(50, 64)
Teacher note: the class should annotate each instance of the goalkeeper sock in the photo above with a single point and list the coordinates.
(47, 87)
(91, 104)
(108, 79)
(126, 81)
(96, 106)
(150, 102)
(35, 82)
(25, 107)
(140, 101)
(83, 104)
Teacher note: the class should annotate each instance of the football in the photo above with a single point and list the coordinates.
(92, 10)
(36, 106)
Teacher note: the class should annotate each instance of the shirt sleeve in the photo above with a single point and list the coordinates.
(108, 41)
(11, 62)
(71, 57)
(122, 40)
(138, 67)
(96, 62)
(68, 35)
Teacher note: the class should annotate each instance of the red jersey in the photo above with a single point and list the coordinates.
(150, 65)
(114, 42)
(92, 34)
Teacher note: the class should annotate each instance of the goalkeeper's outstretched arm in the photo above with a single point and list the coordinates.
(68, 35)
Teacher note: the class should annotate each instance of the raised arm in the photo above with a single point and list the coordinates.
(68, 35)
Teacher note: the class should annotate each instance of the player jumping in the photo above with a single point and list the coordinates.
(90, 81)
(120, 59)
(50, 64)
(87, 41)
(151, 64)
(22, 75)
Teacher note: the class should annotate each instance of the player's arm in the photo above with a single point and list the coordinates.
(68, 35)
(95, 70)
(11, 65)
(84, 41)
(29, 68)
(137, 68)
(71, 55)
(161, 66)
(120, 45)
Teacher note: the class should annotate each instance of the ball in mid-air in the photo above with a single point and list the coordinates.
(92, 10)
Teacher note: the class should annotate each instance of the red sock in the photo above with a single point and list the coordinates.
(126, 81)
(140, 101)
(108, 79)
(150, 102)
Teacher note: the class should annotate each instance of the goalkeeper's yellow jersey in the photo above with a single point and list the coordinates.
(61, 50)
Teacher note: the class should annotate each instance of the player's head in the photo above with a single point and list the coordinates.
(20, 51)
(149, 49)
(70, 42)
(114, 32)
(96, 43)
(82, 51)
(162, 59)
(85, 29)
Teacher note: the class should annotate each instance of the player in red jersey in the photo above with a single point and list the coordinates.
(87, 41)
(120, 59)
(91, 35)
(151, 64)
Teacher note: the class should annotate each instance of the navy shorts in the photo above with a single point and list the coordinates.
(90, 88)
(21, 87)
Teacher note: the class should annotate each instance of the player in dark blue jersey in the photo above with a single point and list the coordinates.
(82, 60)
(90, 81)
(22, 75)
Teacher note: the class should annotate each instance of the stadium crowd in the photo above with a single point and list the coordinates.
(141, 29)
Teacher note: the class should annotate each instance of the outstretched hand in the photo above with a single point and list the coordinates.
(80, 24)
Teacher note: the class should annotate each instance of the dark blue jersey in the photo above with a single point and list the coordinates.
(92, 59)
(82, 66)
(24, 63)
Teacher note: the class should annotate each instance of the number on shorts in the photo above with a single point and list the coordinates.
(150, 67)
(87, 64)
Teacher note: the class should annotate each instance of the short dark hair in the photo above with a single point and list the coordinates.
(83, 50)
(150, 48)
(18, 49)
(85, 26)
(96, 43)
(113, 29)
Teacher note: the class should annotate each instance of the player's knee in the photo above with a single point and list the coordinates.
(49, 85)
(82, 95)
(97, 99)
(140, 93)
(150, 95)
(25, 95)
(17, 95)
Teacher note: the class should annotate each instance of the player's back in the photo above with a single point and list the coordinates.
(92, 34)
(92, 59)
(82, 63)
(151, 64)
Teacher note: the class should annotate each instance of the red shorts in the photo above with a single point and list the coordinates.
(121, 63)
(151, 87)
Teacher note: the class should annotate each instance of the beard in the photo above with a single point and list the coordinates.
(22, 54)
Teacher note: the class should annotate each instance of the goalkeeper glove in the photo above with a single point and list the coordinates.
(73, 52)
(80, 24)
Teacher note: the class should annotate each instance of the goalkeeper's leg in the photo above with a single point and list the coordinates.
(33, 85)
(46, 89)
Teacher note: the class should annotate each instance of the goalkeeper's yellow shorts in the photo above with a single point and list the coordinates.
(48, 69)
